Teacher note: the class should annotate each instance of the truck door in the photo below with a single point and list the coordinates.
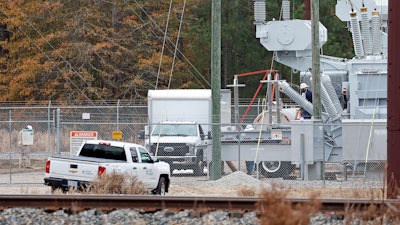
(136, 166)
(146, 168)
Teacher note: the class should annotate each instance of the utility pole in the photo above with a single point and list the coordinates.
(316, 76)
(215, 172)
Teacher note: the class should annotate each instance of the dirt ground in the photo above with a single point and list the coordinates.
(31, 182)
(323, 193)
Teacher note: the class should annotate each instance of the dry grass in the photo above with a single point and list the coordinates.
(276, 210)
(114, 183)
(41, 141)
(244, 190)
(336, 193)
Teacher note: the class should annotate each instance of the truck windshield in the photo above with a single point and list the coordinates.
(175, 130)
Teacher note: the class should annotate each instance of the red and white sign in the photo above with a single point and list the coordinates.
(84, 134)
(78, 137)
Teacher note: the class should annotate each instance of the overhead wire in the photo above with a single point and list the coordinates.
(170, 42)
(163, 44)
(176, 44)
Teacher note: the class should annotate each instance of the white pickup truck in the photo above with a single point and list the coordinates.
(97, 157)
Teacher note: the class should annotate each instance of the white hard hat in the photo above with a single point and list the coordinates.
(303, 85)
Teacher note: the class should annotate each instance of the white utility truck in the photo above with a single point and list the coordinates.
(98, 157)
(180, 124)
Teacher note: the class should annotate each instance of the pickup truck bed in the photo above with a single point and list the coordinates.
(69, 174)
(64, 172)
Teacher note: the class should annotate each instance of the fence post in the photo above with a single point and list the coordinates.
(48, 127)
(10, 126)
(118, 115)
(53, 131)
(58, 130)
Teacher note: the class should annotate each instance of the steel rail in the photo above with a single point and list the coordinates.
(111, 202)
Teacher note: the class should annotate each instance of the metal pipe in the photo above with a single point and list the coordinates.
(269, 97)
(277, 99)
(118, 114)
(48, 127)
(295, 96)
(58, 130)
(10, 132)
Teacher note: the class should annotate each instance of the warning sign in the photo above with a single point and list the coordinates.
(276, 135)
(78, 137)
(117, 134)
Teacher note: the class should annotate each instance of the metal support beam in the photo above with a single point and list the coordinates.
(393, 120)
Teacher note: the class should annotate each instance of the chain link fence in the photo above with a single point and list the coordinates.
(265, 154)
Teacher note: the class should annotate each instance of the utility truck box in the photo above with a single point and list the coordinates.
(193, 105)
(179, 126)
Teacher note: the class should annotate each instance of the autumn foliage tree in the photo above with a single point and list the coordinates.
(76, 50)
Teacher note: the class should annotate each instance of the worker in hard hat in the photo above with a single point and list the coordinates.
(307, 94)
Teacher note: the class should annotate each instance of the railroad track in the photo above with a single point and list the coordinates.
(77, 203)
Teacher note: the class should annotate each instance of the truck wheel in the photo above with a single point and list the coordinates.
(161, 187)
(274, 169)
(198, 169)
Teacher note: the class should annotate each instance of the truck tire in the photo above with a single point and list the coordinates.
(161, 187)
(198, 169)
(275, 169)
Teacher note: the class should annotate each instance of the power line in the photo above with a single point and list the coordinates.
(154, 24)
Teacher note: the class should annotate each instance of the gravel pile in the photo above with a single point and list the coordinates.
(240, 178)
